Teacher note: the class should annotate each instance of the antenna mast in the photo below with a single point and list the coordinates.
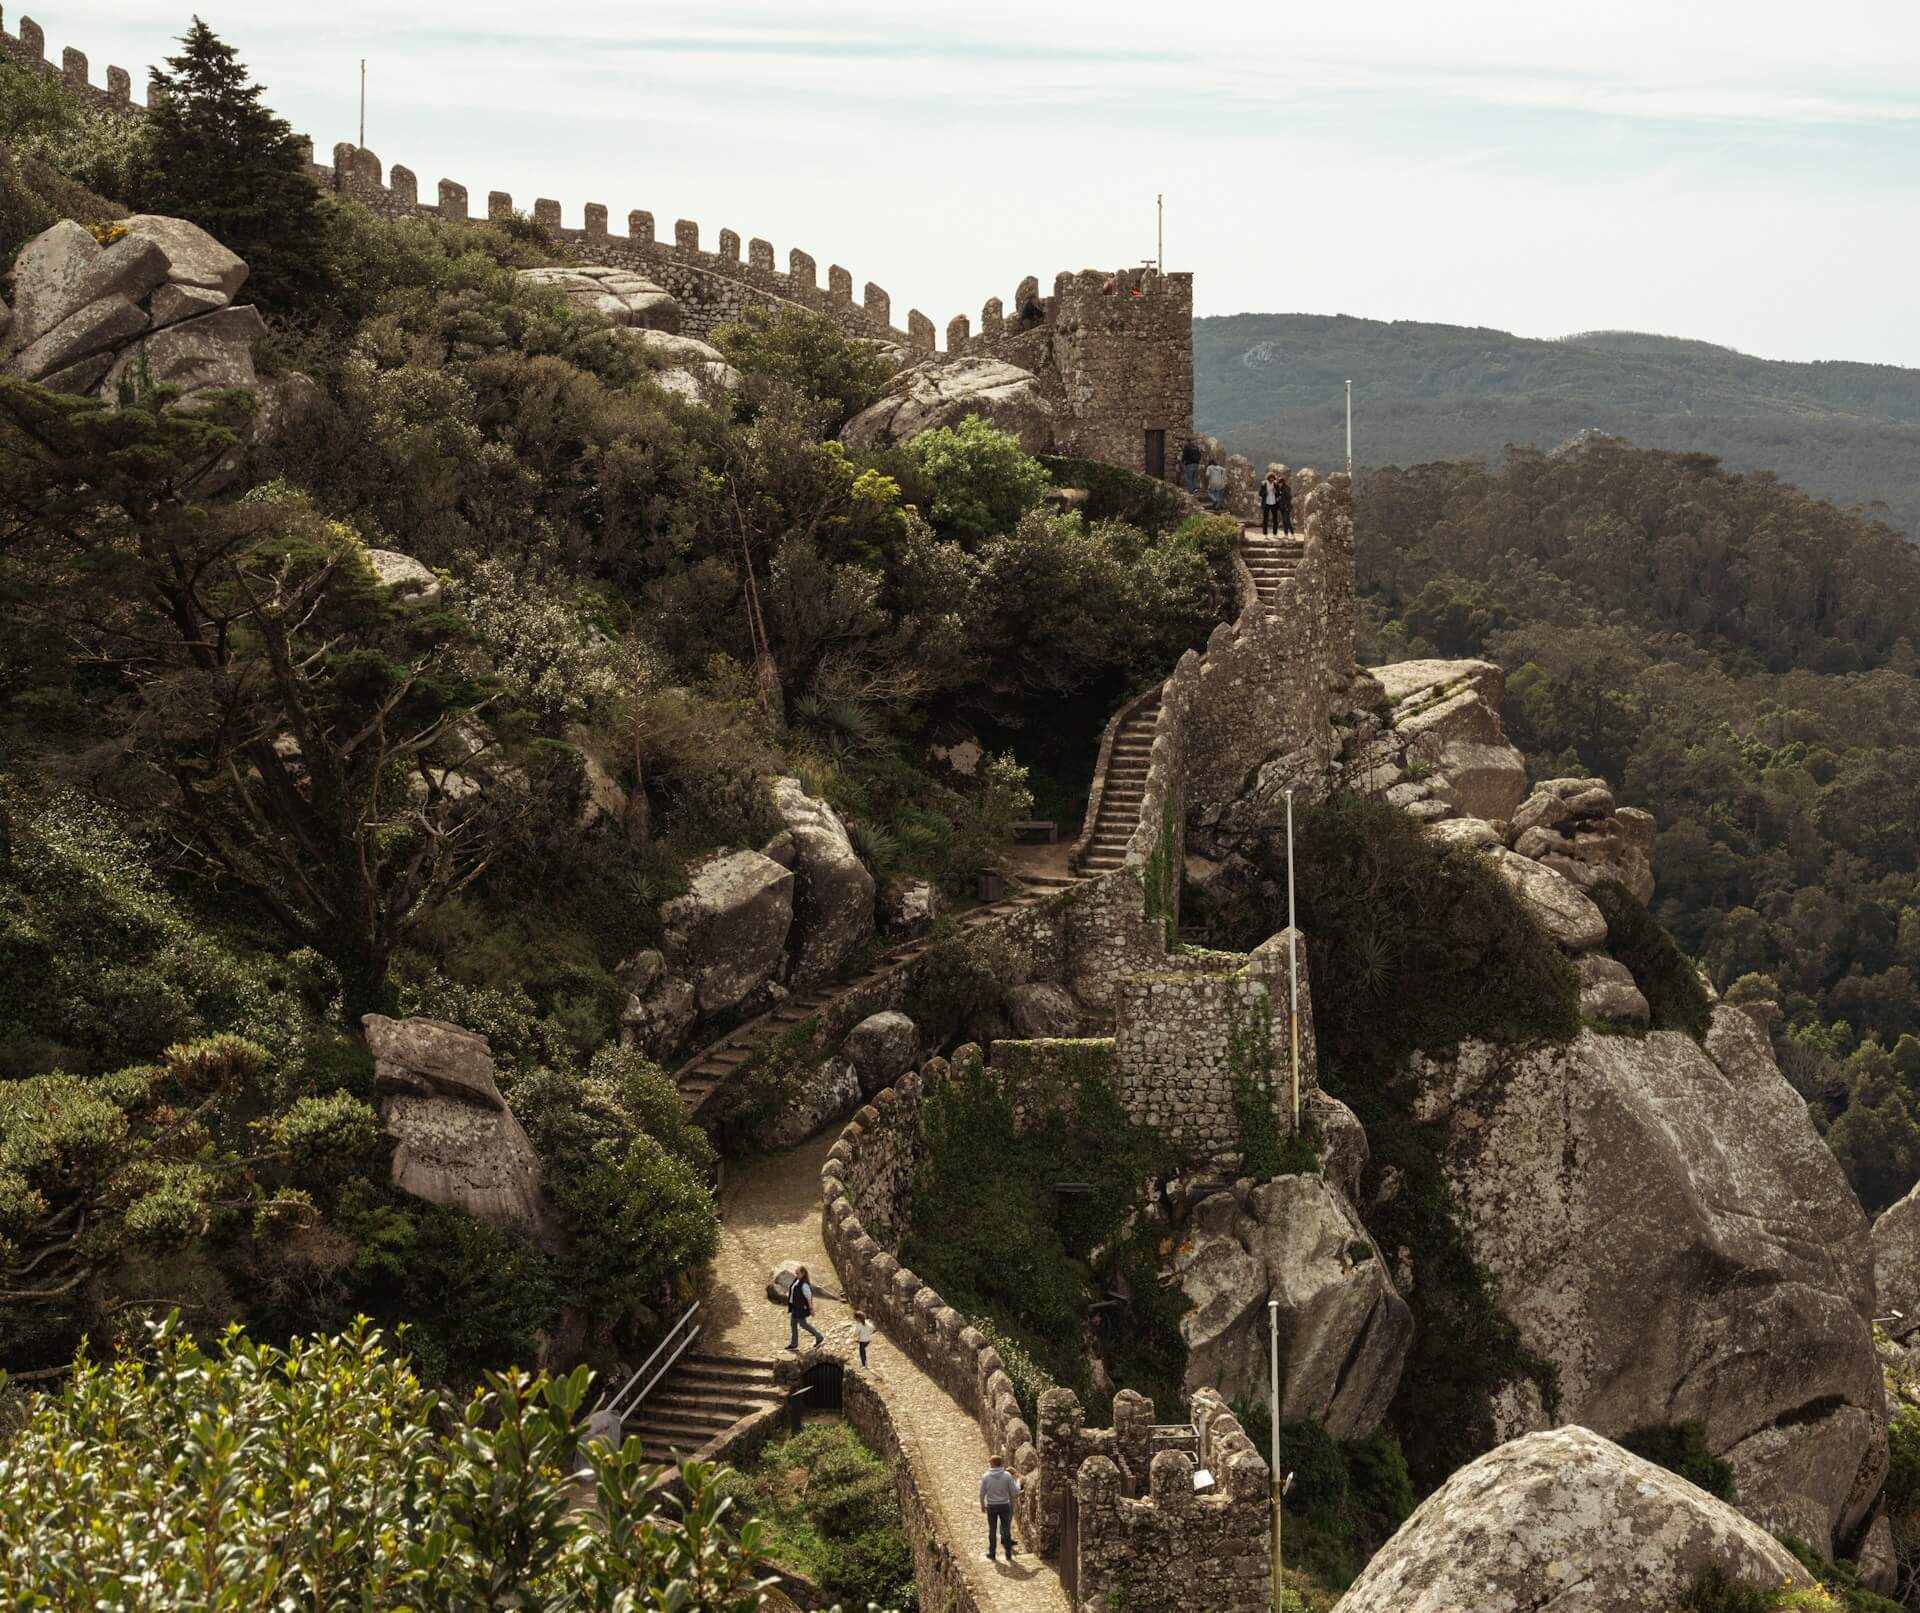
(1160, 232)
(363, 103)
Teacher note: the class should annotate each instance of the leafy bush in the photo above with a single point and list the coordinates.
(979, 480)
(1668, 978)
(424, 1506)
(828, 1509)
(1682, 1448)
(1115, 493)
(991, 1233)
(805, 351)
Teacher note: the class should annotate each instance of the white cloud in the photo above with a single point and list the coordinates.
(1739, 170)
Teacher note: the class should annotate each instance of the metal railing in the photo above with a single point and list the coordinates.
(679, 1337)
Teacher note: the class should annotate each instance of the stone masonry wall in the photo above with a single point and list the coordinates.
(28, 49)
(1179, 1536)
(1266, 682)
(1184, 1036)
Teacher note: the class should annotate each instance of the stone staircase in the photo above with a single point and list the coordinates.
(699, 1399)
(1272, 559)
(708, 1070)
(1124, 790)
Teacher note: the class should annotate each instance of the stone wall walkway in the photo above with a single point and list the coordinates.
(770, 1212)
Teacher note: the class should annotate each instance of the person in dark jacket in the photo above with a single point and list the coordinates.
(1190, 457)
(799, 1308)
(1276, 502)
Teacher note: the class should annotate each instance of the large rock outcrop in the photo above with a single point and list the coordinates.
(1572, 826)
(833, 900)
(1896, 1266)
(1446, 718)
(626, 298)
(456, 1143)
(943, 392)
(1564, 1522)
(1665, 1227)
(727, 936)
(1344, 1330)
(151, 305)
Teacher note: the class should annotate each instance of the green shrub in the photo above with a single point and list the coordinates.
(1682, 1448)
(1117, 494)
(979, 480)
(1661, 970)
(995, 1235)
(829, 1511)
(337, 1481)
(808, 351)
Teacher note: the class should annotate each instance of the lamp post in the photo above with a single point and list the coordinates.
(1293, 973)
(1273, 1422)
(1349, 431)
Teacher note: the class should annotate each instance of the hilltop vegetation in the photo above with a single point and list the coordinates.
(249, 792)
(1737, 658)
(1270, 385)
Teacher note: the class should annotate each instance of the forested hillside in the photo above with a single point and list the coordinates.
(1737, 658)
(252, 787)
(1271, 386)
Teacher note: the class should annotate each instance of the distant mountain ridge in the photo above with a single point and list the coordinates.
(1271, 386)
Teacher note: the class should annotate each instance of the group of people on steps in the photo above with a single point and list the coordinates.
(999, 1485)
(1275, 494)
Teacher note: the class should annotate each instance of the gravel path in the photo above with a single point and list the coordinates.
(770, 1212)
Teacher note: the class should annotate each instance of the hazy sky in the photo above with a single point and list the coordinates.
(1746, 172)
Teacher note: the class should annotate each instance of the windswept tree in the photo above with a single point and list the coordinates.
(214, 153)
(307, 736)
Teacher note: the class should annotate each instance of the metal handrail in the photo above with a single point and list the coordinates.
(627, 1410)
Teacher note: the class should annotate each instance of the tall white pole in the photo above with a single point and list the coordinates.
(1160, 232)
(1293, 969)
(1273, 1423)
(1349, 431)
(363, 103)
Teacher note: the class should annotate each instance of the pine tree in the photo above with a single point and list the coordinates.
(216, 155)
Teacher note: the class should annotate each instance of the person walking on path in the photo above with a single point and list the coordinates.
(998, 1490)
(863, 1331)
(1190, 457)
(799, 1308)
(1217, 485)
(1276, 504)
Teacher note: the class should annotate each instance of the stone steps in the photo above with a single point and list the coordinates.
(699, 1399)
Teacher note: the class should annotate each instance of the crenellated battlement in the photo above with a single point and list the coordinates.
(1113, 350)
(28, 49)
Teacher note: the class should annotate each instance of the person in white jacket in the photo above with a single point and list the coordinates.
(999, 1489)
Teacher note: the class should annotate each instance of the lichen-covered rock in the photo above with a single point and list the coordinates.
(1043, 1008)
(728, 934)
(907, 907)
(833, 900)
(1558, 907)
(1666, 1228)
(831, 1092)
(406, 576)
(882, 1048)
(456, 1143)
(1608, 992)
(1896, 1265)
(1343, 1142)
(1344, 1330)
(1877, 1559)
(1572, 826)
(620, 295)
(1569, 1522)
(1446, 714)
(194, 258)
(943, 392)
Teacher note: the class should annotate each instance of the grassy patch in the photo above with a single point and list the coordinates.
(1661, 970)
(1020, 1230)
(829, 1510)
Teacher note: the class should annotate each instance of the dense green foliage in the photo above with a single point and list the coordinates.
(1737, 658)
(1272, 386)
(1022, 1230)
(248, 790)
(1676, 999)
(209, 150)
(1682, 1448)
(827, 1509)
(326, 1476)
(1418, 946)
